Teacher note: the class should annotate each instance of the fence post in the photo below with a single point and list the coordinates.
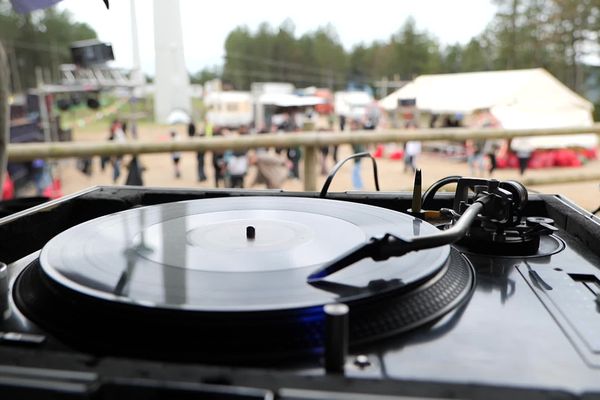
(310, 168)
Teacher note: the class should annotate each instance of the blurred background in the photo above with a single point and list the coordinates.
(179, 72)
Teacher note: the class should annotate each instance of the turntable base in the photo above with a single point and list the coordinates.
(193, 275)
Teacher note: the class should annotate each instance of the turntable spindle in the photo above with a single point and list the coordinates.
(250, 232)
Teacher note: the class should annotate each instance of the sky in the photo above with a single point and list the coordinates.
(205, 24)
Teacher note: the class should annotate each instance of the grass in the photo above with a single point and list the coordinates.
(73, 117)
(83, 118)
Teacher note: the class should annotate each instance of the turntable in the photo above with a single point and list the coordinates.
(487, 292)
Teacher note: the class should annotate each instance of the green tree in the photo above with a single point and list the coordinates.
(575, 23)
(360, 63)
(236, 61)
(331, 60)
(205, 75)
(41, 40)
(553, 34)
(453, 58)
(315, 58)
(414, 52)
(476, 56)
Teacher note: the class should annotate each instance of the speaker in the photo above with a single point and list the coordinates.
(90, 52)
(407, 102)
(93, 103)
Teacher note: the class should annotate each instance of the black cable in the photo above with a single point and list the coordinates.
(337, 166)
(429, 193)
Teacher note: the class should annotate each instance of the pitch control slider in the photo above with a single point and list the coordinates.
(380, 249)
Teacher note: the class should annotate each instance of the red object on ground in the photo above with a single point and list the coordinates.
(566, 158)
(541, 159)
(590, 154)
(54, 190)
(509, 161)
(378, 153)
(397, 155)
(550, 158)
(8, 189)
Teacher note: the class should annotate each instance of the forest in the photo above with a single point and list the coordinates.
(559, 35)
(40, 39)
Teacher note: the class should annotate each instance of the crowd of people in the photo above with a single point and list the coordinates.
(274, 166)
(231, 167)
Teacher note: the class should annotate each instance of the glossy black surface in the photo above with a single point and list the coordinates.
(528, 331)
(505, 336)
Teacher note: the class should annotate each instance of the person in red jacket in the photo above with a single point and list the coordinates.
(8, 188)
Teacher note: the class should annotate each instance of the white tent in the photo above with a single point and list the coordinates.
(407, 92)
(519, 99)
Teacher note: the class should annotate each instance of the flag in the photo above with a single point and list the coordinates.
(27, 6)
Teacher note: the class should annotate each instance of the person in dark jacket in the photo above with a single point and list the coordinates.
(199, 155)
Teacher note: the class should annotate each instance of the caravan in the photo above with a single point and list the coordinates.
(232, 110)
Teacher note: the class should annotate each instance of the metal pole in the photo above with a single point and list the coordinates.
(44, 118)
(14, 70)
(54, 56)
(136, 74)
(4, 115)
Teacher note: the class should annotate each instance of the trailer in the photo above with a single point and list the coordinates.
(232, 110)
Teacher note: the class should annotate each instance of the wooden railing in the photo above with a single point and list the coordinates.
(309, 141)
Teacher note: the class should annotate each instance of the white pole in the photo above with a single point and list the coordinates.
(136, 74)
(171, 81)
(134, 38)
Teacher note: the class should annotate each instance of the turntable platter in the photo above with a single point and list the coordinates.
(226, 279)
(196, 254)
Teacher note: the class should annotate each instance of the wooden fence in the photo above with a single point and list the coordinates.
(309, 141)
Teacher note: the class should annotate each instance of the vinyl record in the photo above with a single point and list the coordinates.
(196, 254)
(226, 278)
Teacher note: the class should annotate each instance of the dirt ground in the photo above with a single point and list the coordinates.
(159, 171)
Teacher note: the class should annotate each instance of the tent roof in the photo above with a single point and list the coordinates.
(408, 91)
(533, 89)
